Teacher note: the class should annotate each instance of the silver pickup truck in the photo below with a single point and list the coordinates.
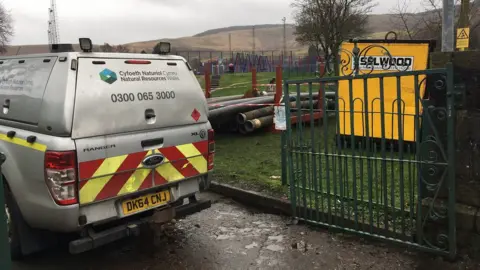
(96, 141)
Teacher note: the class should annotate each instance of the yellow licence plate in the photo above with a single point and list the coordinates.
(145, 202)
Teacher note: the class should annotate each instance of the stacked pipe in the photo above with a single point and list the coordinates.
(250, 114)
(245, 114)
(263, 117)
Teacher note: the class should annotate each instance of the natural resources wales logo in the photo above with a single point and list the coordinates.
(108, 76)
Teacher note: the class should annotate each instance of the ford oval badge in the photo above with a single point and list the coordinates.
(153, 161)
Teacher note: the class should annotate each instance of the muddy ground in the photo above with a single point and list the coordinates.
(231, 236)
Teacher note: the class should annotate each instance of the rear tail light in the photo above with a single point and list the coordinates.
(61, 176)
(138, 62)
(211, 148)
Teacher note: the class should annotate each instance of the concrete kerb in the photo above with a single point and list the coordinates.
(260, 201)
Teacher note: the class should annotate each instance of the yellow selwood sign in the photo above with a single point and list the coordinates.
(407, 56)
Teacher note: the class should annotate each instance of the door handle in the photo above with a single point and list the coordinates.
(150, 116)
(157, 142)
(149, 113)
(6, 106)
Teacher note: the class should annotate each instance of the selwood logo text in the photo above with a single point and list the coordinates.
(138, 76)
(400, 63)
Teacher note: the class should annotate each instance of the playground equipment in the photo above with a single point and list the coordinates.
(264, 61)
(241, 62)
(244, 62)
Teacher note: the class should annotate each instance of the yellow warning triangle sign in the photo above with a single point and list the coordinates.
(462, 34)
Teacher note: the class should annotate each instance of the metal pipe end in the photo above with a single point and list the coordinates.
(242, 129)
(249, 126)
(241, 118)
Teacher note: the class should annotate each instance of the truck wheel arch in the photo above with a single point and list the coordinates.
(30, 240)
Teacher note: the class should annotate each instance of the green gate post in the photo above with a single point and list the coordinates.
(284, 158)
(5, 261)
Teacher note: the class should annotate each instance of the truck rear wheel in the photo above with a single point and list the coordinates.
(11, 211)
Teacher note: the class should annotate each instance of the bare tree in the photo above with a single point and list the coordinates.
(427, 24)
(114, 48)
(6, 28)
(409, 23)
(106, 48)
(121, 49)
(325, 24)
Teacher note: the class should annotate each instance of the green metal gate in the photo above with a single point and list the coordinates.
(393, 190)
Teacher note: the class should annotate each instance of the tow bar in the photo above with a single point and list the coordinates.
(97, 239)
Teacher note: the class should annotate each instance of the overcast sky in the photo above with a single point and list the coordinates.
(122, 21)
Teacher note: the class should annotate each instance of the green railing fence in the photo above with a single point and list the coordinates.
(379, 165)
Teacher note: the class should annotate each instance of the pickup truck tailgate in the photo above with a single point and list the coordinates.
(115, 165)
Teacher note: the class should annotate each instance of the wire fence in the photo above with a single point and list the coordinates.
(244, 62)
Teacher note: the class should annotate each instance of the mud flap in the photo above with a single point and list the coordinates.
(164, 216)
(31, 240)
(192, 207)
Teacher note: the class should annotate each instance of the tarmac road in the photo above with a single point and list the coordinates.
(231, 236)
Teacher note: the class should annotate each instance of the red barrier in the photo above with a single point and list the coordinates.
(306, 117)
(321, 71)
(242, 105)
(278, 92)
(278, 84)
(208, 82)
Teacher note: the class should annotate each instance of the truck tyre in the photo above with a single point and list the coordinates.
(13, 217)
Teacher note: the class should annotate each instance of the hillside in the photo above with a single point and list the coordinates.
(236, 28)
(269, 37)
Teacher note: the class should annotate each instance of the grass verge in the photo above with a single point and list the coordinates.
(239, 83)
(250, 162)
